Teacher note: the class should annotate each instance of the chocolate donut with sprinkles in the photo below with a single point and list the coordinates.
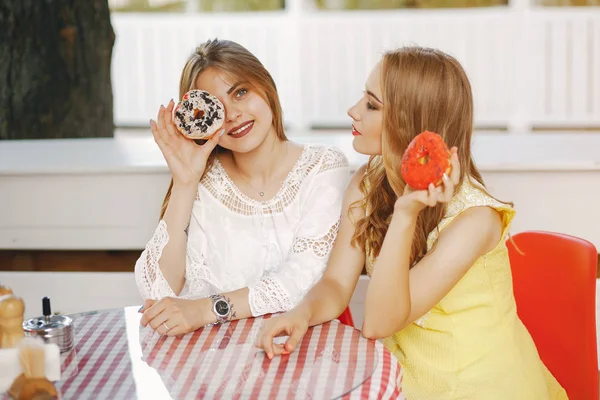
(199, 115)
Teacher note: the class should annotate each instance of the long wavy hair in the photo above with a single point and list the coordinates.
(423, 89)
(240, 64)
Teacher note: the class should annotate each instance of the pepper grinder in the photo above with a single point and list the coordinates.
(12, 309)
(56, 329)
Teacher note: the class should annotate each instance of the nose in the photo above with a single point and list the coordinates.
(353, 112)
(232, 113)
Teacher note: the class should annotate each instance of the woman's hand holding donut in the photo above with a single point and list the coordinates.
(185, 158)
(414, 201)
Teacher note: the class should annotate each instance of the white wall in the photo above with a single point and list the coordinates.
(106, 193)
(72, 292)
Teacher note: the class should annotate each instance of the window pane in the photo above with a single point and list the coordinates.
(567, 3)
(147, 5)
(394, 4)
(200, 5)
(240, 5)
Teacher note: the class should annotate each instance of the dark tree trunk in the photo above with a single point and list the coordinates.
(55, 58)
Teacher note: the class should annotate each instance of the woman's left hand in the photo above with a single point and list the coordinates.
(414, 201)
(171, 316)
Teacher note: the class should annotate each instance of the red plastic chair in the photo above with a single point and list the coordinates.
(555, 290)
(346, 317)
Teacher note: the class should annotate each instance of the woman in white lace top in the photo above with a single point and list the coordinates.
(250, 217)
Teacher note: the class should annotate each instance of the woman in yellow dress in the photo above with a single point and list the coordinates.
(440, 292)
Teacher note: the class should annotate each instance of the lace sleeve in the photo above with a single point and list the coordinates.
(148, 276)
(321, 207)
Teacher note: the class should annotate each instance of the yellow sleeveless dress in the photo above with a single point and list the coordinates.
(472, 345)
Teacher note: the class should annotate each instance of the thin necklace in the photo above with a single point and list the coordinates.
(261, 193)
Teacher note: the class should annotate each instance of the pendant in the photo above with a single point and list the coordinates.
(262, 194)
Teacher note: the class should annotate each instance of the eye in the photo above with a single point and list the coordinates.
(370, 106)
(240, 93)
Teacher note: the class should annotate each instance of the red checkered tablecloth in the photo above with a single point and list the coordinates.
(116, 358)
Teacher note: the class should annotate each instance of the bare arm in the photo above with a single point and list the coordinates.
(328, 298)
(164, 258)
(397, 295)
(177, 218)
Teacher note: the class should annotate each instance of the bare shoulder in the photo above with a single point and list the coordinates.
(479, 226)
(488, 217)
(353, 189)
(354, 196)
(358, 176)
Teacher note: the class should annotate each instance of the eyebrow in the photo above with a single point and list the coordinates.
(231, 89)
(373, 95)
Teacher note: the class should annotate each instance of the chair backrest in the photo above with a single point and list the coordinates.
(554, 282)
(346, 317)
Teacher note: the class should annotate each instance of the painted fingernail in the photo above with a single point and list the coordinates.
(141, 308)
(445, 176)
(270, 355)
(285, 353)
(222, 132)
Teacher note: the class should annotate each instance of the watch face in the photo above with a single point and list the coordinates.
(222, 308)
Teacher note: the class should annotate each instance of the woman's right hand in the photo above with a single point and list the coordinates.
(185, 158)
(293, 323)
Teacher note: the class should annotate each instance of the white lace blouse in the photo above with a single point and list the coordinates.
(278, 248)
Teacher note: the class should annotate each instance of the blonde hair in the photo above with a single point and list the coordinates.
(423, 89)
(240, 64)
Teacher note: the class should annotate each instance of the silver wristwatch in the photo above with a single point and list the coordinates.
(221, 308)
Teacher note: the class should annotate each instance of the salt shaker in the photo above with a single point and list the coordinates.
(56, 329)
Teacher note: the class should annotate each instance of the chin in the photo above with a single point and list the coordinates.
(248, 143)
(242, 147)
(363, 148)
